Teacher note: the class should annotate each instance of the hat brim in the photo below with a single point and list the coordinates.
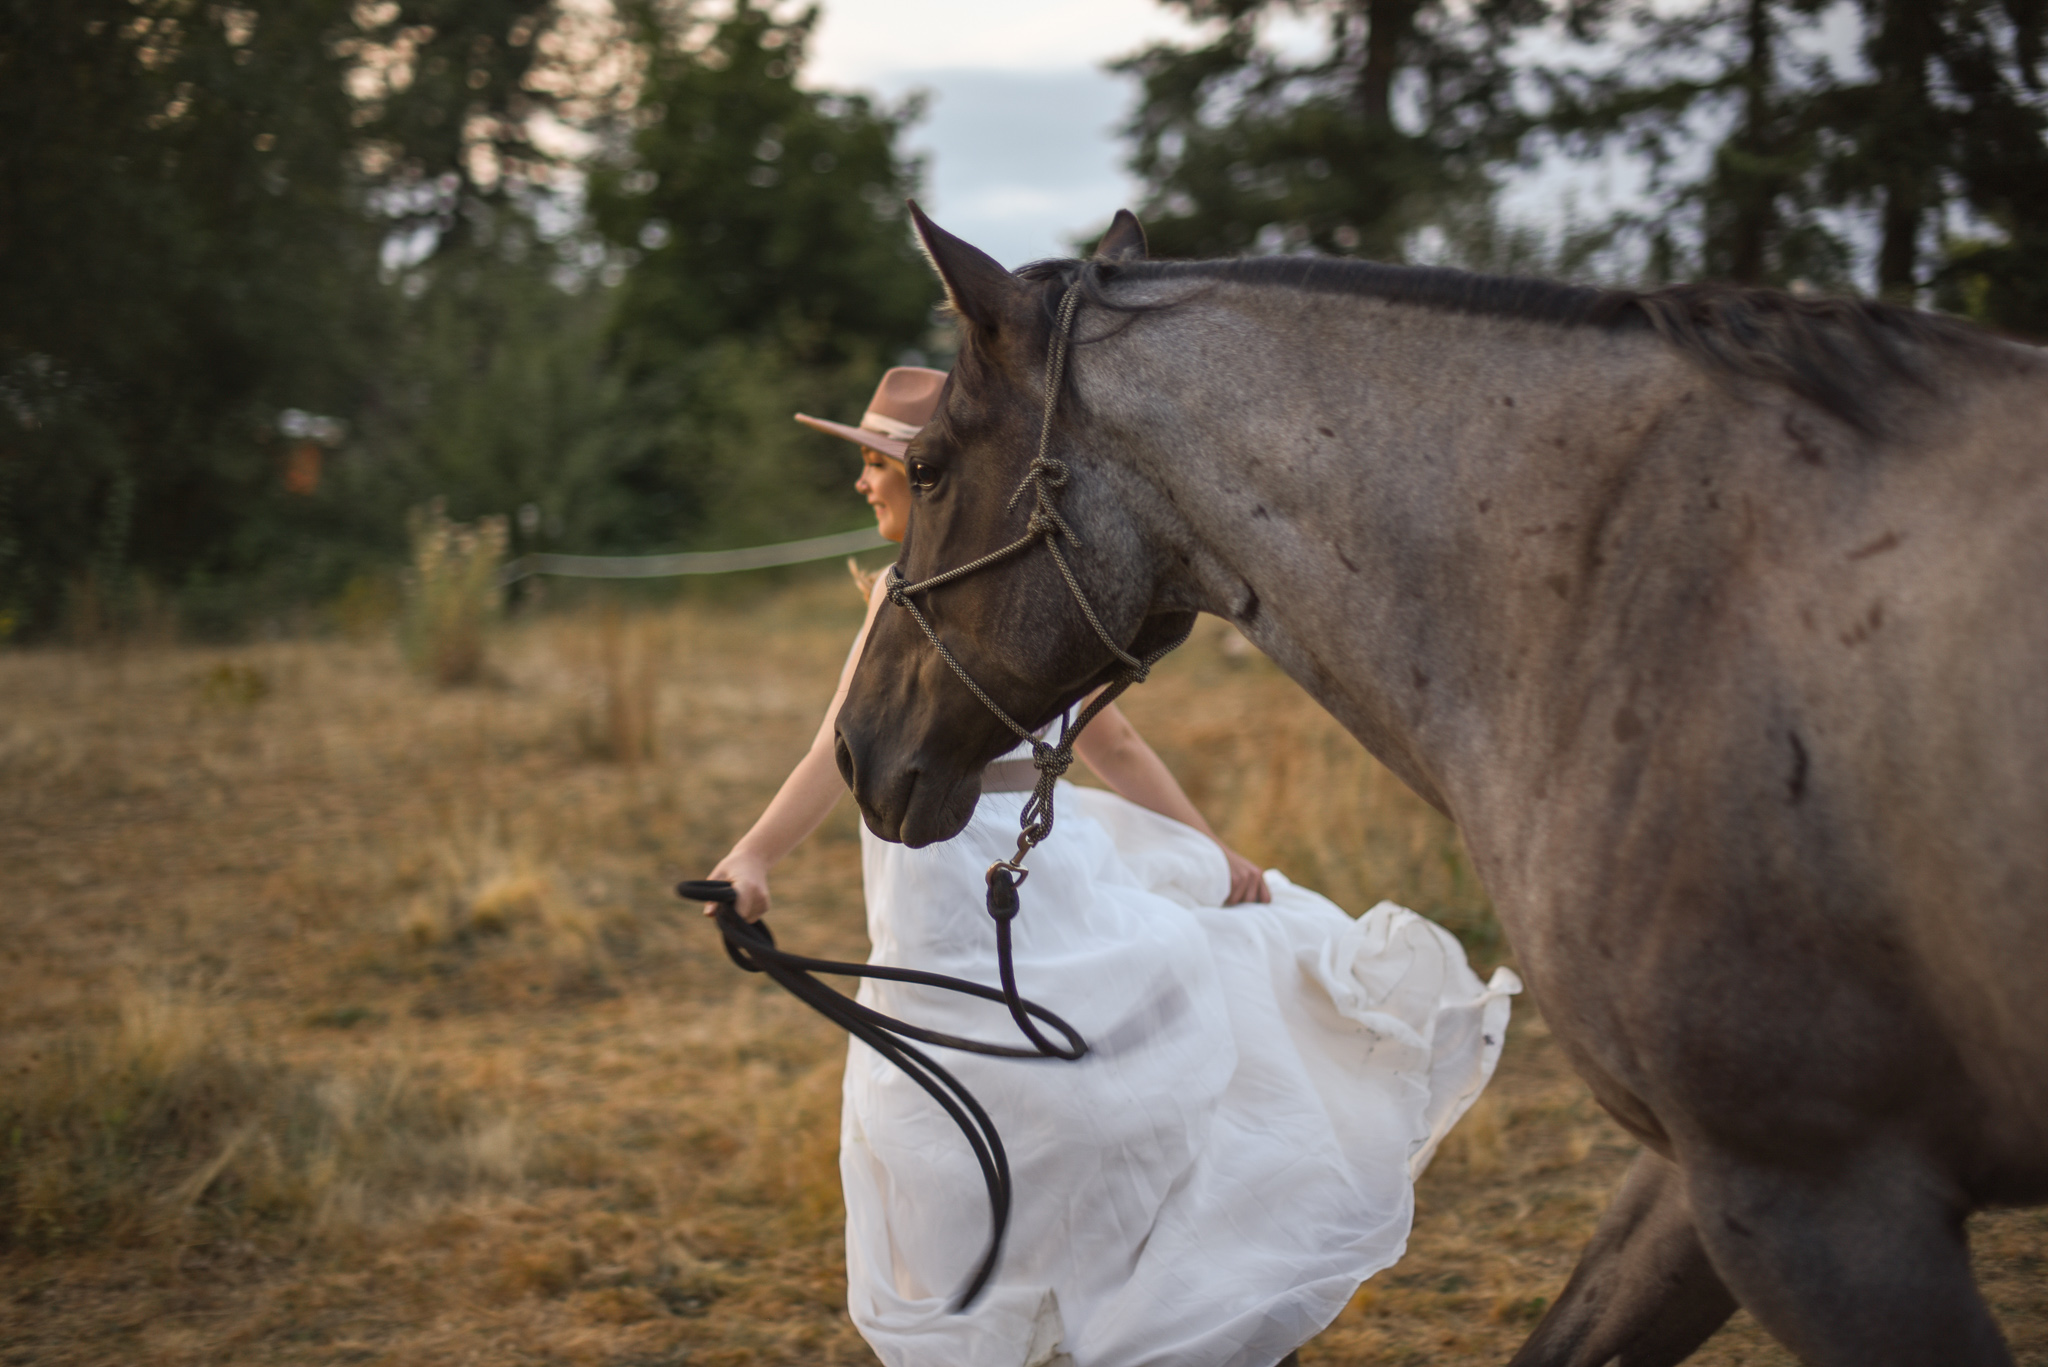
(860, 436)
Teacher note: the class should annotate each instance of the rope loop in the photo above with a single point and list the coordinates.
(753, 948)
(1035, 820)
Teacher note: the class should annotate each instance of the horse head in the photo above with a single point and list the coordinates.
(912, 737)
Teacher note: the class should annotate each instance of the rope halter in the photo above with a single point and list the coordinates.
(1045, 478)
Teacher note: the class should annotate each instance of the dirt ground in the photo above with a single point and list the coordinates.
(348, 1020)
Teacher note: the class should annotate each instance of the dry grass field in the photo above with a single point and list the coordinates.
(344, 1019)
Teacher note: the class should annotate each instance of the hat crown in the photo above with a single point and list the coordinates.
(908, 395)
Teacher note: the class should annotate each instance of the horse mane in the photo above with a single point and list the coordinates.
(1846, 356)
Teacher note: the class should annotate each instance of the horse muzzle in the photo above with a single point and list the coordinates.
(903, 800)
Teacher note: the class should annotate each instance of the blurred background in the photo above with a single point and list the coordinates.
(275, 273)
(345, 1015)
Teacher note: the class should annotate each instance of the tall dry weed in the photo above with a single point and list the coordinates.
(451, 593)
(631, 653)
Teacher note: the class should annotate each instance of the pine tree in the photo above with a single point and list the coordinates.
(759, 209)
(1945, 114)
(775, 271)
(1403, 117)
(1991, 140)
(192, 201)
(1755, 213)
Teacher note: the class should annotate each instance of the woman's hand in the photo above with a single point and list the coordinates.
(749, 877)
(1247, 880)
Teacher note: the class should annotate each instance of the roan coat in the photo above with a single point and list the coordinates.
(1717, 619)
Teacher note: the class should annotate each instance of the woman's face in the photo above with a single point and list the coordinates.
(887, 489)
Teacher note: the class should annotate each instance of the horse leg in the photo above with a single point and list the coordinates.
(1861, 1263)
(1643, 1294)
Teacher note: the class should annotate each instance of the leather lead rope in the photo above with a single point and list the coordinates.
(752, 946)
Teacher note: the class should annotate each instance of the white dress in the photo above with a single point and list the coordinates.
(1235, 1154)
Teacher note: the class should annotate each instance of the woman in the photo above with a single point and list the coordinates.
(1235, 1154)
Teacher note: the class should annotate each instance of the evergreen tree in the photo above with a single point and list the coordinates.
(759, 209)
(192, 202)
(497, 395)
(1756, 213)
(775, 270)
(1399, 122)
(1946, 113)
(1899, 152)
(1952, 115)
(1986, 146)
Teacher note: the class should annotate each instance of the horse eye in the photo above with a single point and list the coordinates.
(922, 476)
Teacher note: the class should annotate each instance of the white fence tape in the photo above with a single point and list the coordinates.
(691, 562)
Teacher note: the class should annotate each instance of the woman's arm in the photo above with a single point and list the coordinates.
(809, 792)
(1120, 757)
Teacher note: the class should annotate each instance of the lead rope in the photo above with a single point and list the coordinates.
(752, 947)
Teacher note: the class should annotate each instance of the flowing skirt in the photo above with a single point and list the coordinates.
(1235, 1154)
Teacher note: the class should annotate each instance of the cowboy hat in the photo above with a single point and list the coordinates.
(904, 402)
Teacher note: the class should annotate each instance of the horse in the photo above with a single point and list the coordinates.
(1715, 619)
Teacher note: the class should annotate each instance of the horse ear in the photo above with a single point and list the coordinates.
(1125, 240)
(977, 286)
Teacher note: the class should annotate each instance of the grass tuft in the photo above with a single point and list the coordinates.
(165, 1127)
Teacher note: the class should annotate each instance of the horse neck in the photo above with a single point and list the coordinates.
(1383, 497)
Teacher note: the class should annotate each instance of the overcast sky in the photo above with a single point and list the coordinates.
(1022, 154)
(1019, 141)
(1020, 138)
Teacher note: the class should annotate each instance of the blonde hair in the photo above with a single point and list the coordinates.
(864, 580)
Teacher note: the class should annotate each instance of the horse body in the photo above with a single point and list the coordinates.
(1738, 694)
(1594, 643)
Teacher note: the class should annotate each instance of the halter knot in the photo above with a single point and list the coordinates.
(1051, 759)
(1046, 476)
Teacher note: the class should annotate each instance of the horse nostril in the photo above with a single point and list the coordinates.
(842, 755)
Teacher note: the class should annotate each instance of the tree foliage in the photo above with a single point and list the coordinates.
(1751, 205)
(275, 271)
(1939, 112)
(760, 210)
(278, 270)
(1916, 162)
(1409, 110)
(774, 269)
(184, 238)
